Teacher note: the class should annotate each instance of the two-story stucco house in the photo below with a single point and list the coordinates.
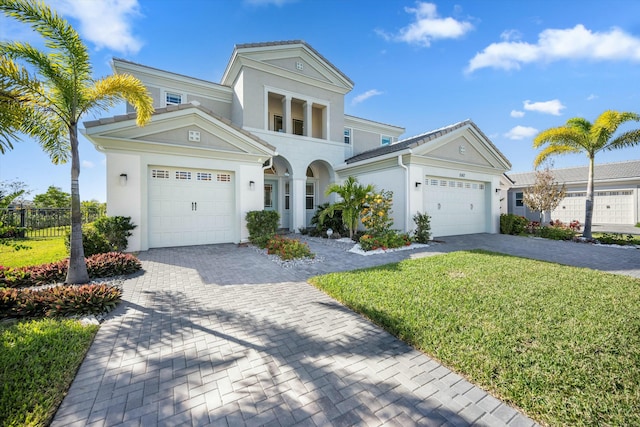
(273, 135)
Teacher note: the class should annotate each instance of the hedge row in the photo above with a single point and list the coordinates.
(58, 301)
(100, 265)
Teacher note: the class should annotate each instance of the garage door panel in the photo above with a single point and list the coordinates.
(455, 206)
(609, 207)
(190, 207)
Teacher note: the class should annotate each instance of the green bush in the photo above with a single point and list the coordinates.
(334, 222)
(98, 265)
(106, 234)
(58, 301)
(512, 224)
(388, 240)
(116, 229)
(288, 249)
(262, 226)
(422, 234)
(616, 239)
(556, 233)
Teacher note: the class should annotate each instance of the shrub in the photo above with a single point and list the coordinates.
(512, 224)
(556, 233)
(58, 301)
(106, 234)
(376, 215)
(387, 240)
(532, 227)
(99, 265)
(288, 249)
(422, 233)
(116, 230)
(616, 239)
(93, 242)
(262, 226)
(11, 231)
(334, 222)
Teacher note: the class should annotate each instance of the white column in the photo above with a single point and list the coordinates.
(286, 114)
(298, 199)
(325, 123)
(308, 121)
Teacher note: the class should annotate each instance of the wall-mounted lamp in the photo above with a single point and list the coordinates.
(418, 184)
(252, 185)
(497, 190)
(123, 179)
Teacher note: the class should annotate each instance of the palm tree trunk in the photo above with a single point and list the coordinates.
(77, 272)
(589, 202)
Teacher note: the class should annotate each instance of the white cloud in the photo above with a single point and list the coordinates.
(592, 97)
(364, 96)
(510, 35)
(553, 107)
(106, 23)
(521, 132)
(428, 26)
(517, 114)
(554, 45)
(88, 164)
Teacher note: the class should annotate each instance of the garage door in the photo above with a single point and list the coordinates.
(609, 207)
(455, 206)
(190, 207)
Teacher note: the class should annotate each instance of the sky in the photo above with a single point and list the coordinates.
(513, 67)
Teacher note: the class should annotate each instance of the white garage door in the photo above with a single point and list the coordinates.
(190, 207)
(609, 207)
(455, 206)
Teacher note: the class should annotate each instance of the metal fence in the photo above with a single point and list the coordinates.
(39, 222)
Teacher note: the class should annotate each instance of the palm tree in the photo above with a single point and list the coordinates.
(56, 88)
(353, 201)
(579, 135)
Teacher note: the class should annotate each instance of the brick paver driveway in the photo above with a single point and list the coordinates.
(221, 335)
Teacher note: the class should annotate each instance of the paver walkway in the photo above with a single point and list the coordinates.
(221, 335)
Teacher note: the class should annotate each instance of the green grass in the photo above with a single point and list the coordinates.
(617, 238)
(41, 250)
(562, 343)
(38, 361)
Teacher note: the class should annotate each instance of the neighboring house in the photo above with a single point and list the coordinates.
(616, 193)
(273, 135)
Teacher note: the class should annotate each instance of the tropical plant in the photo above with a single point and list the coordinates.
(353, 201)
(54, 88)
(579, 135)
(545, 194)
(422, 234)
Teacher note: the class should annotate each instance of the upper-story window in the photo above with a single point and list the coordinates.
(347, 135)
(519, 199)
(385, 140)
(173, 98)
(277, 123)
(298, 127)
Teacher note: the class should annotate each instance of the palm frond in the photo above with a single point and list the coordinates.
(108, 91)
(580, 124)
(562, 135)
(627, 139)
(554, 150)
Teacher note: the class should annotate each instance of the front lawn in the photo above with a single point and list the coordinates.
(562, 343)
(41, 250)
(38, 361)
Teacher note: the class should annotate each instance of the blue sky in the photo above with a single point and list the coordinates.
(513, 67)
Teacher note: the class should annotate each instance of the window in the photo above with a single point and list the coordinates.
(268, 196)
(183, 175)
(159, 174)
(310, 195)
(223, 177)
(277, 123)
(385, 140)
(203, 176)
(298, 127)
(173, 98)
(347, 135)
(287, 195)
(519, 199)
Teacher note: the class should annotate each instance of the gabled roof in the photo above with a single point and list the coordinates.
(170, 108)
(602, 172)
(418, 140)
(293, 42)
(261, 53)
